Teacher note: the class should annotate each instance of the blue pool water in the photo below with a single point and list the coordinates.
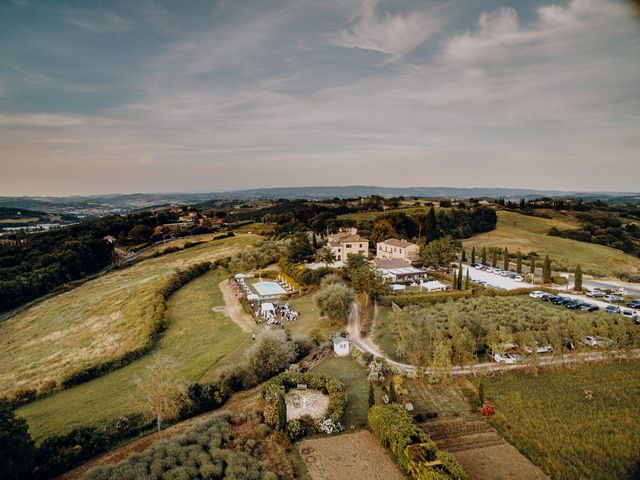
(268, 289)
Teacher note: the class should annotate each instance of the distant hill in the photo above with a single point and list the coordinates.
(98, 205)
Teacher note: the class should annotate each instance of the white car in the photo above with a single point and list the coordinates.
(592, 341)
(595, 293)
(628, 313)
(518, 278)
(539, 349)
(508, 358)
(537, 294)
(613, 298)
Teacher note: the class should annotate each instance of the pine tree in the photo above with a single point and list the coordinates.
(546, 270)
(505, 259)
(494, 258)
(463, 256)
(473, 255)
(519, 262)
(577, 280)
(484, 255)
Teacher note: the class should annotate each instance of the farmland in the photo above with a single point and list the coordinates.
(98, 321)
(551, 420)
(527, 234)
(198, 335)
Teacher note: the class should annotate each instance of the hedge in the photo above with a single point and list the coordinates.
(409, 445)
(275, 412)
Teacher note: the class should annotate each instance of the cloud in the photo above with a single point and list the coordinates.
(40, 120)
(97, 21)
(395, 35)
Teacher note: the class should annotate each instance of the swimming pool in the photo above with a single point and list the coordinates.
(268, 289)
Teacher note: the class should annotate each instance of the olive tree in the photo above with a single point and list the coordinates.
(335, 301)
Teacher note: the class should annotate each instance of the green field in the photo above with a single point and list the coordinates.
(527, 234)
(354, 377)
(309, 318)
(98, 321)
(373, 215)
(445, 400)
(199, 337)
(549, 419)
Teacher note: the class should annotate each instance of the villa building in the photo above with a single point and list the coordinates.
(394, 248)
(347, 242)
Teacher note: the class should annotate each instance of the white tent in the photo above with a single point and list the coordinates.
(433, 286)
(267, 307)
(252, 296)
(398, 288)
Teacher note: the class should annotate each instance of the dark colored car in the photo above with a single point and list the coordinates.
(561, 300)
(589, 307)
(547, 297)
(634, 304)
(574, 304)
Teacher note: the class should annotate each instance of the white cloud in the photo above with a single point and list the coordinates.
(97, 21)
(40, 120)
(395, 35)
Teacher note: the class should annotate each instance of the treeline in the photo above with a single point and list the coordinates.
(604, 229)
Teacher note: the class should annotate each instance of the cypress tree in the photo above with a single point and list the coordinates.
(481, 392)
(431, 226)
(473, 255)
(494, 258)
(372, 397)
(455, 280)
(577, 279)
(519, 262)
(505, 258)
(467, 281)
(546, 270)
(314, 241)
(532, 266)
(484, 255)
(463, 256)
(460, 277)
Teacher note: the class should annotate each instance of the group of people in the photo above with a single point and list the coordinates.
(273, 314)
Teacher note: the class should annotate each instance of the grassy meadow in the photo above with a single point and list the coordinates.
(198, 335)
(550, 420)
(98, 321)
(527, 234)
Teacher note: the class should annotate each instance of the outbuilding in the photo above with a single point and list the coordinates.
(341, 346)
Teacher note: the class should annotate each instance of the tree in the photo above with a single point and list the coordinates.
(369, 280)
(532, 266)
(314, 241)
(460, 277)
(439, 253)
(467, 280)
(454, 282)
(16, 446)
(577, 279)
(140, 234)
(354, 262)
(159, 394)
(441, 363)
(271, 353)
(519, 262)
(484, 255)
(473, 255)
(431, 226)
(299, 247)
(335, 301)
(463, 255)
(494, 258)
(481, 392)
(325, 255)
(372, 395)
(382, 230)
(505, 259)
(546, 270)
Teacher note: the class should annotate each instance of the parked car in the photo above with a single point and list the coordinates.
(613, 298)
(560, 300)
(628, 313)
(595, 293)
(548, 297)
(612, 309)
(574, 304)
(539, 349)
(634, 303)
(589, 307)
(592, 341)
(518, 278)
(508, 358)
(537, 294)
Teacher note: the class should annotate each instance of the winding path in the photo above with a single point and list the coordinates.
(233, 308)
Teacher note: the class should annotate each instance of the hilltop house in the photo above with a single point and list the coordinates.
(346, 242)
(394, 248)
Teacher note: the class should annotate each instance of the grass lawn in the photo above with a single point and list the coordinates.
(445, 400)
(100, 320)
(549, 419)
(199, 337)
(309, 318)
(373, 215)
(354, 377)
(526, 233)
(382, 334)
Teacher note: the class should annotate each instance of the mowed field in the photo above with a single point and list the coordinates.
(98, 321)
(527, 234)
(551, 421)
(199, 336)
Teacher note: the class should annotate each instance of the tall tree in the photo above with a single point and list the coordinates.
(519, 262)
(314, 241)
(532, 266)
(577, 279)
(160, 395)
(441, 363)
(16, 446)
(300, 247)
(467, 280)
(505, 258)
(484, 255)
(463, 255)
(494, 258)
(372, 395)
(546, 270)
(454, 282)
(431, 226)
(460, 277)
(473, 254)
(440, 252)
(335, 301)
(325, 255)
(382, 230)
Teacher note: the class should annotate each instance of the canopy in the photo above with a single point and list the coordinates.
(267, 307)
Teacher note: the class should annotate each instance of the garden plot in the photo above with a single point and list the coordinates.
(356, 456)
(301, 402)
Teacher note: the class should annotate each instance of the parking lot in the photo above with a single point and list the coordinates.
(494, 280)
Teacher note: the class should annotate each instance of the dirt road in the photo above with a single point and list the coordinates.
(234, 310)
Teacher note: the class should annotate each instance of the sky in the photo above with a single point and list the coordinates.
(184, 96)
